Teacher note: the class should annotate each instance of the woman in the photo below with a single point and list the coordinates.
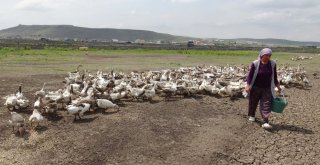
(261, 81)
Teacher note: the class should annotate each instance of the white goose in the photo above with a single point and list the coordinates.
(150, 93)
(11, 102)
(78, 110)
(104, 104)
(41, 93)
(38, 104)
(36, 117)
(118, 95)
(22, 101)
(165, 75)
(136, 92)
(16, 101)
(287, 79)
(19, 94)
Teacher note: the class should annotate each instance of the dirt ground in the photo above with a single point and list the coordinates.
(202, 130)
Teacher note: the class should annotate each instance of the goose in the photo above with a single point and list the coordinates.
(38, 104)
(68, 94)
(165, 75)
(238, 83)
(41, 93)
(214, 90)
(74, 110)
(305, 81)
(22, 101)
(120, 87)
(36, 117)
(118, 81)
(204, 84)
(194, 89)
(110, 85)
(75, 74)
(101, 83)
(75, 88)
(208, 75)
(51, 108)
(136, 92)
(150, 93)
(86, 86)
(223, 91)
(104, 104)
(172, 76)
(56, 98)
(53, 95)
(118, 95)
(138, 82)
(217, 84)
(233, 90)
(156, 76)
(182, 90)
(59, 99)
(48, 99)
(16, 120)
(78, 110)
(211, 89)
(169, 89)
(287, 79)
(90, 99)
(11, 102)
(149, 74)
(79, 81)
(19, 94)
(86, 107)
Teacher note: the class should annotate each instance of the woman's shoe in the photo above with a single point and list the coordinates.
(252, 119)
(266, 126)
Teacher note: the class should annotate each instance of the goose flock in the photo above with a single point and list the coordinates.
(84, 91)
(301, 58)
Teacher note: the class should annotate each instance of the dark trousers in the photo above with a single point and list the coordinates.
(263, 95)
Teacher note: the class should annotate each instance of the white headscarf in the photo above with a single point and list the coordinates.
(264, 51)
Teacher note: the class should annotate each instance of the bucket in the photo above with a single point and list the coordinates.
(278, 104)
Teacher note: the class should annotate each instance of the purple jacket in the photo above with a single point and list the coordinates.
(263, 79)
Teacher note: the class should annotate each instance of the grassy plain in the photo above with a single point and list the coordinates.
(62, 60)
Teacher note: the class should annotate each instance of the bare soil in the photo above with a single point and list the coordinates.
(201, 130)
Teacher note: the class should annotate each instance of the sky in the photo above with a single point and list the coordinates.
(225, 19)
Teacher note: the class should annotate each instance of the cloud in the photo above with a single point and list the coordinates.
(272, 15)
(33, 5)
(290, 19)
(183, 1)
(283, 4)
(133, 12)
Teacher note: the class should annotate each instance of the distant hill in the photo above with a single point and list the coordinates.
(62, 32)
(276, 42)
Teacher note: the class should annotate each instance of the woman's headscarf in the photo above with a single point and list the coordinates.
(264, 51)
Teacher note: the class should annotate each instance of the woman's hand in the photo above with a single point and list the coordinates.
(247, 89)
(279, 89)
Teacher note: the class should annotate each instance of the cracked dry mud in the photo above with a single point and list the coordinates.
(202, 130)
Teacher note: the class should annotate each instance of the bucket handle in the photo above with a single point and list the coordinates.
(284, 98)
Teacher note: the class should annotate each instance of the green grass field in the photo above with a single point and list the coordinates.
(62, 60)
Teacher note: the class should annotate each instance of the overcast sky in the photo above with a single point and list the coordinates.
(285, 19)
